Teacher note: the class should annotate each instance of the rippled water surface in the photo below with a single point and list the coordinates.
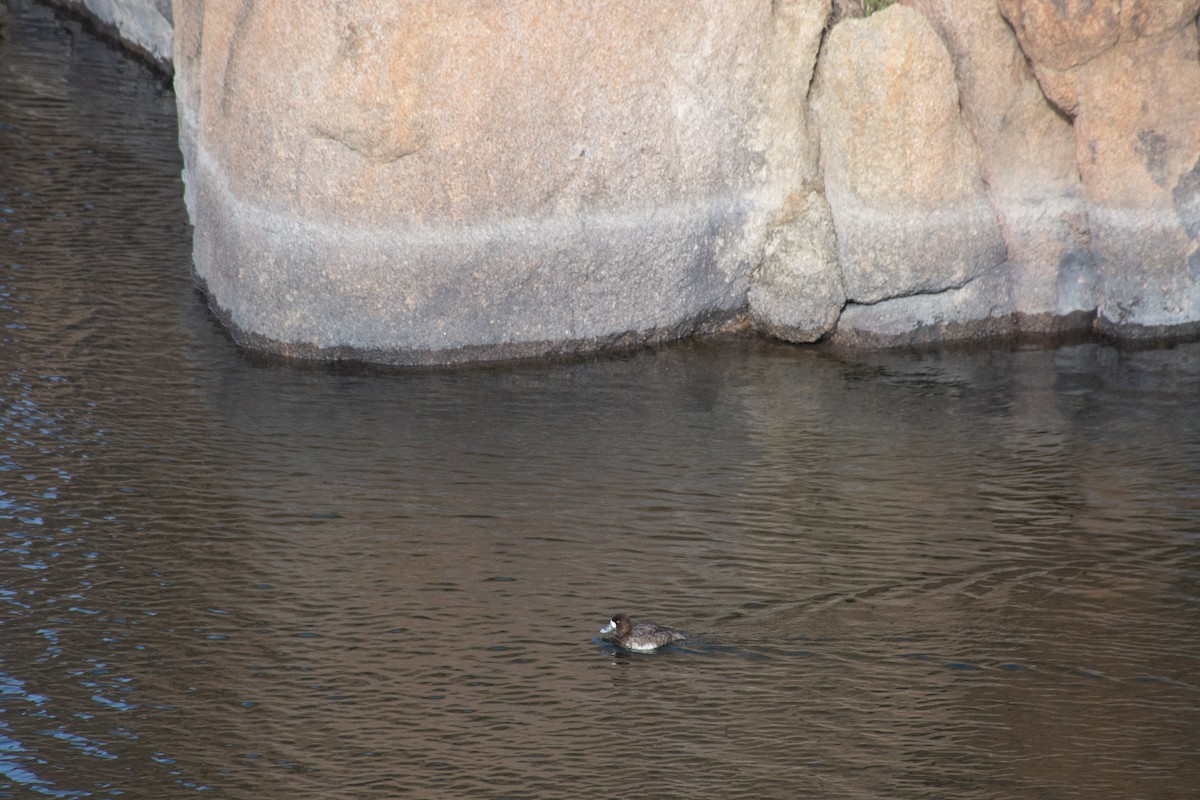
(964, 574)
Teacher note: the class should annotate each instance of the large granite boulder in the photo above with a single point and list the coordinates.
(901, 169)
(428, 182)
(436, 181)
(796, 290)
(1027, 160)
(1129, 75)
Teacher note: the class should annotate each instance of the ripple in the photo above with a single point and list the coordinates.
(945, 574)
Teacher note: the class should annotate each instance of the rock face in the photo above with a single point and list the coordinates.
(430, 182)
(901, 169)
(1027, 160)
(1129, 75)
(439, 181)
(796, 288)
(797, 292)
(974, 196)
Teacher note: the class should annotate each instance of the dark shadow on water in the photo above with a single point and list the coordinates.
(692, 646)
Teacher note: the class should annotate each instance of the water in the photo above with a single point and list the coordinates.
(958, 574)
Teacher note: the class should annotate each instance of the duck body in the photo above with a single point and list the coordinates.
(640, 636)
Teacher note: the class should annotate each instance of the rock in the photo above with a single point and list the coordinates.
(1063, 34)
(1135, 97)
(1059, 36)
(438, 181)
(1027, 160)
(980, 308)
(796, 293)
(901, 170)
(843, 9)
(1139, 155)
(796, 288)
(143, 26)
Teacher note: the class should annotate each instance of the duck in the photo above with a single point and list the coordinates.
(640, 636)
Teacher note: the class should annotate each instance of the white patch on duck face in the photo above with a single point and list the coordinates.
(609, 628)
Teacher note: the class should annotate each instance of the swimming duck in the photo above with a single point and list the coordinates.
(642, 636)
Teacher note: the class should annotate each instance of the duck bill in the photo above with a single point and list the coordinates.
(609, 628)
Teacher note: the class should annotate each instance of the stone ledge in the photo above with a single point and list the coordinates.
(143, 27)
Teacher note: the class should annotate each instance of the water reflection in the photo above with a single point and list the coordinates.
(954, 574)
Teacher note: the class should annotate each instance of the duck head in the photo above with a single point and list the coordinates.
(620, 624)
